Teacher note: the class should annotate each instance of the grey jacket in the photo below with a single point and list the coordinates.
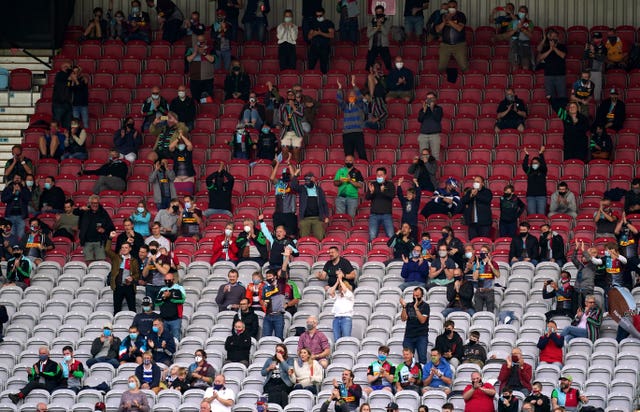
(154, 179)
(384, 30)
(284, 371)
(586, 272)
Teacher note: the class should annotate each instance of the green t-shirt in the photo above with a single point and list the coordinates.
(346, 189)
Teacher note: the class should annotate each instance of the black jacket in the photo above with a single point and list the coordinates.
(556, 245)
(20, 199)
(185, 109)
(511, 209)
(114, 348)
(220, 187)
(239, 83)
(323, 207)
(536, 179)
(53, 197)
(88, 222)
(618, 114)
(515, 250)
(238, 346)
(482, 203)
(465, 295)
(251, 322)
(381, 198)
(454, 345)
(50, 371)
(115, 168)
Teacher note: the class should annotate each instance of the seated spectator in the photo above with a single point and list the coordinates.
(516, 373)
(144, 320)
(611, 113)
(190, 222)
(51, 143)
(200, 373)
(132, 347)
(184, 107)
(536, 401)
(566, 396)
(252, 243)
(445, 200)
(75, 143)
(111, 176)
(563, 292)
(237, 83)
(336, 264)
(167, 131)
(414, 269)
(139, 27)
(128, 140)
(176, 379)
(432, 22)
(36, 243)
(267, 144)
(19, 269)
(586, 323)
(442, 268)
(156, 236)
(512, 112)
(253, 114)
(66, 224)
(218, 398)
(408, 373)
(313, 207)
(605, 219)
(400, 82)
(247, 315)
(563, 201)
(423, 169)
(241, 143)
(345, 394)
(18, 164)
(600, 144)
(308, 372)
(478, 396)
(279, 243)
(342, 307)
(182, 154)
(238, 344)
(52, 197)
(582, 92)
(45, 374)
(168, 220)
(140, 219)
(316, 342)
(380, 374)
(437, 374)
(524, 247)
(117, 25)
(33, 188)
(474, 352)
(105, 348)
(279, 374)
(402, 243)
(97, 28)
(617, 51)
(450, 344)
(149, 374)
(133, 399)
(229, 294)
(72, 370)
(154, 109)
(550, 345)
(508, 402)
(161, 343)
(460, 297)
(220, 187)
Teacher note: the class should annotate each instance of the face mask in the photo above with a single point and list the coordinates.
(67, 358)
(515, 358)
(133, 336)
(476, 185)
(607, 253)
(348, 165)
(47, 186)
(612, 39)
(182, 95)
(522, 15)
(310, 326)
(198, 359)
(288, 19)
(239, 331)
(187, 205)
(256, 281)
(247, 229)
(510, 97)
(236, 69)
(562, 193)
(473, 341)
(140, 209)
(415, 254)
(135, 10)
(132, 385)
(168, 283)
(218, 387)
(17, 255)
(107, 332)
(445, 235)
(379, 16)
(380, 180)
(399, 65)
(227, 232)
(155, 96)
(452, 10)
(352, 99)
(483, 255)
(320, 19)
(130, 125)
(265, 130)
(434, 359)
(468, 255)
(43, 358)
(382, 357)
(535, 166)
(153, 251)
(523, 234)
(29, 183)
(252, 100)
(146, 308)
(155, 329)
(442, 253)
(181, 147)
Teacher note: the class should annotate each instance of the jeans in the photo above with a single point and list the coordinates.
(17, 226)
(319, 53)
(508, 229)
(82, 113)
(419, 345)
(349, 30)
(570, 332)
(536, 205)
(252, 116)
(175, 327)
(210, 212)
(341, 327)
(223, 59)
(375, 220)
(256, 29)
(405, 285)
(103, 359)
(273, 324)
(414, 24)
(348, 205)
(447, 311)
(76, 155)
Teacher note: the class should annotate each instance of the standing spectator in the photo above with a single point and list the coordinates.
(140, 219)
(563, 201)
(291, 123)
(255, 20)
(34, 189)
(221, 32)
(434, 20)
(128, 140)
(335, 265)
(617, 51)
(308, 372)
(614, 264)
(285, 196)
(400, 82)
(309, 8)
(423, 169)
(250, 320)
(309, 107)
(144, 320)
(521, 32)
(450, 344)
(563, 292)
(194, 26)
(582, 92)
(230, 293)
(437, 374)
(170, 18)
(586, 323)
(161, 179)
(232, 10)
(460, 297)
(156, 266)
(416, 316)
(378, 34)
(153, 109)
(61, 98)
(320, 33)
(536, 172)
(501, 17)
(374, 99)
(316, 342)
(112, 175)
(354, 116)
(238, 344)
(184, 106)
(511, 207)
(414, 269)
(593, 59)
(524, 247)
(17, 165)
(551, 246)
(512, 112)
(566, 396)
(279, 376)
(220, 187)
(94, 225)
(414, 18)
(16, 197)
(237, 82)
(600, 143)
(612, 112)
(280, 243)
(553, 54)
(550, 345)
(44, 374)
(589, 267)
(51, 143)
(170, 300)
(267, 144)
(167, 131)
(349, 180)
(478, 396)
(453, 38)
(125, 272)
(342, 307)
(381, 194)
(104, 348)
(139, 24)
(349, 12)
(446, 200)
(477, 209)
(474, 352)
(272, 300)
(79, 84)
(287, 33)
(516, 373)
(201, 59)
(537, 401)
(314, 210)
(75, 143)
(409, 373)
(168, 220)
(605, 219)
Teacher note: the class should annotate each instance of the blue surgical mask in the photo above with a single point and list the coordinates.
(535, 166)
(155, 329)
(382, 357)
(256, 281)
(43, 357)
(67, 358)
(265, 130)
(135, 10)
(415, 254)
(380, 180)
(47, 186)
(140, 209)
(181, 147)
(522, 15)
(187, 205)
(29, 183)
(133, 336)
(107, 332)
(132, 385)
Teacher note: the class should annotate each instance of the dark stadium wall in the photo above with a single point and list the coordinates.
(34, 24)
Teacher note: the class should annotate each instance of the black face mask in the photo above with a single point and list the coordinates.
(174, 208)
(153, 251)
(507, 195)
(168, 283)
(523, 235)
(562, 193)
(348, 165)
(17, 255)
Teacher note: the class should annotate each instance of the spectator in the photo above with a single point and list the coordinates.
(381, 194)
(410, 206)
(221, 32)
(255, 20)
(97, 28)
(19, 269)
(51, 143)
(246, 314)
(336, 264)
(254, 292)
(66, 224)
(380, 373)
(400, 82)
(291, 123)
(537, 401)
(349, 180)
(279, 374)
(273, 301)
(553, 54)
(155, 109)
(162, 181)
(287, 33)
(605, 219)
(442, 269)
(478, 396)
(127, 140)
(238, 344)
(45, 374)
(349, 12)
(512, 112)
(78, 82)
(501, 17)
(168, 219)
(414, 269)
(17, 165)
(453, 38)
(508, 402)
(550, 345)
(582, 92)
(378, 34)
(133, 399)
(132, 347)
(232, 11)
(316, 342)
(130, 236)
(354, 115)
(308, 372)
(446, 200)
(75, 141)
(524, 248)
(182, 154)
(511, 207)
(167, 131)
(72, 370)
(346, 394)
(201, 59)
(567, 396)
(460, 297)
(184, 106)
(424, 168)
(267, 145)
(600, 144)
(253, 113)
(112, 175)
(176, 380)
(474, 352)
(161, 343)
(230, 293)
(95, 225)
(280, 244)
(450, 344)
(403, 243)
(125, 273)
(201, 374)
(61, 99)
(521, 31)
(575, 138)
(477, 209)
(139, 27)
(416, 316)
(586, 323)
(220, 187)
(237, 82)
(320, 33)
(314, 210)
(409, 372)
(563, 201)
(617, 51)
(190, 221)
(342, 307)
(156, 236)
(437, 374)
(252, 244)
(36, 243)
(34, 189)
(614, 264)
(140, 219)
(149, 373)
(104, 348)
(144, 320)
(551, 246)
(374, 99)
(170, 300)
(157, 265)
(414, 18)
(612, 112)
(225, 247)
(170, 18)
(627, 236)
(219, 397)
(536, 182)
(309, 107)
(516, 373)
(588, 265)
(593, 59)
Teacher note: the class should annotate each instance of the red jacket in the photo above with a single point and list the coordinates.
(218, 253)
(525, 373)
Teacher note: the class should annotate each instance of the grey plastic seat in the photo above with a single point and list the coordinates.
(253, 383)
(89, 396)
(302, 398)
(247, 398)
(64, 398)
(607, 345)
(234, 370)
(93, 280)
(619, 401)
(69, 280)
(380, 399)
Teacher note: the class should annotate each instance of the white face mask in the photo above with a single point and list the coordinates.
(182, 95)
(247, 228)
(227, 232)
(442, 253)
(468, 255)
(288, 19)
(187, 205)
(476, 185)
(535, 166)
(399, 65)
(198, 359)
(155, 96)
(320, 19)
(452, 10)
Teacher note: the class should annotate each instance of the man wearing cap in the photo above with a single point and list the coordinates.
(144, 320)
(112, 175)
(612, 112)
(314, 210)
(104, 348)
(392, 407)
(18, 271)
(445, 200)
(566, 396)
(170, 300)
(285, 211)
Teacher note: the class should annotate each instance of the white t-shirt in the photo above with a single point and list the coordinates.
(216, 405)
(343, 305)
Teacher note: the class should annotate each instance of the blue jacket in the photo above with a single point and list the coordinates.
(284, 371)
(414, 272)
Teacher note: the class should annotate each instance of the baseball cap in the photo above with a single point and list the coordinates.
(566, 378)
(147, 300)
(16, 247)
(597, 35)
(613, 90)
(393, 405)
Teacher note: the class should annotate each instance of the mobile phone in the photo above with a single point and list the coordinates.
(164, 118)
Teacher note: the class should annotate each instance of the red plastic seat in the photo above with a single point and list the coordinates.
(20, 79)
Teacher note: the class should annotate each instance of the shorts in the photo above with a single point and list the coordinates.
(400, 94)
(93, 251)
(291, 139)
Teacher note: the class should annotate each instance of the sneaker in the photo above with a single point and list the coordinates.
(14, 398)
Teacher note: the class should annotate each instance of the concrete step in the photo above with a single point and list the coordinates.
(8, 141)
(17, 110)
(22, 61)
(18, 99)
(4, 117)
(11, 133)
(12, 125)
